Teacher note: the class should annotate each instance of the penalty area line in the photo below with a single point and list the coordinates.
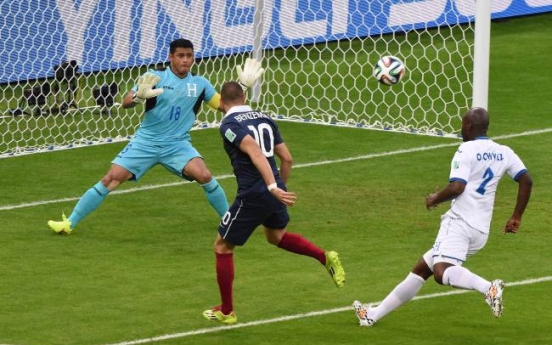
(305, 315)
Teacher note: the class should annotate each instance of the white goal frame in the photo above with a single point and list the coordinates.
(337, 89)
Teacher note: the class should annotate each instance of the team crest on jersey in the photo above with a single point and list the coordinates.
(230, 135)
(456, 165)
(192, 90)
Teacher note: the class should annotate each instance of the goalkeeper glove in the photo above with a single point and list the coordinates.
(145, 88)
(251, 71)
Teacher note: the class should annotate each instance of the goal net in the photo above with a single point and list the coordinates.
(65, 65)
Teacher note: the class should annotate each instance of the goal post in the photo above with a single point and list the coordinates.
(65, 65)
(482, 44)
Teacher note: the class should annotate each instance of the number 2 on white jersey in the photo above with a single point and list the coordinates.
(487, 176)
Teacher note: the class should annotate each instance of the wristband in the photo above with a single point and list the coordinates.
(272, 186)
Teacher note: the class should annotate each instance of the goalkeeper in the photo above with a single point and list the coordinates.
(171, 99)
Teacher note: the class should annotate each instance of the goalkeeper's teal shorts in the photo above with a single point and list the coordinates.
(139, 158)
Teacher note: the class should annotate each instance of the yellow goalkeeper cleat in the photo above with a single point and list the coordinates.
(62, 227)
(216, 314)
(334, 267)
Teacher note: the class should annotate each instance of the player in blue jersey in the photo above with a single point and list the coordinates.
(252, 140)
(476, 168)
(171, 99)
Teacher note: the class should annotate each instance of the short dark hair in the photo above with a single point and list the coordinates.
(479, 119)
(180, 43)
(231, 92)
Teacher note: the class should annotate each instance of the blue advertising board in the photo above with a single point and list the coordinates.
(107, 34)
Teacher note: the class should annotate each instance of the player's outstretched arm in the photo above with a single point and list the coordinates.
(525, 185)
(250, 73)
(450, 192)
(145, 90)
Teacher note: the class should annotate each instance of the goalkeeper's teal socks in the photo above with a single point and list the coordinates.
(88, 203)
(216, 196)
(93, 198)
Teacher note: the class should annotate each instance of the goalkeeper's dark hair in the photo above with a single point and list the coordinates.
(231, 92)
(180, 43)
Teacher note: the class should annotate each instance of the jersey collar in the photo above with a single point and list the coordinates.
(238, 109)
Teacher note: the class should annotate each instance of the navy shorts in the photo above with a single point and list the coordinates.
(246, 214)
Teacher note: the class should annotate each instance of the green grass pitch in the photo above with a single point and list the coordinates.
(140, 269)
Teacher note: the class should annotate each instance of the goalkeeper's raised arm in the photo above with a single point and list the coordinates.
(250, 73)
(171, 98)
(247, 77)
(144, 90)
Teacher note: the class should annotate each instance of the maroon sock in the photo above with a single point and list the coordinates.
(225, 279)
(298, 244)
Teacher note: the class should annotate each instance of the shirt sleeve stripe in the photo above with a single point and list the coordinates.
(521, 172)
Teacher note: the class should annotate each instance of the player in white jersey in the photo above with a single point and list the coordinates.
(476, 168)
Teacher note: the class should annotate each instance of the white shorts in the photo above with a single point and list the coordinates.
(455, 242)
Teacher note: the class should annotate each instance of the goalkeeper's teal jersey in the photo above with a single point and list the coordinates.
(170, 116)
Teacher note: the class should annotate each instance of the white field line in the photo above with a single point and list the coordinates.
(304, 315)
(298, 166)
(296, 316)
(202, 331)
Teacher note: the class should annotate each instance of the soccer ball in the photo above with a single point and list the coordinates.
(389, 70)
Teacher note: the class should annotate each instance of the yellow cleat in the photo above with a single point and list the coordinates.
(216, 314)
(62, 227)
(334, 267)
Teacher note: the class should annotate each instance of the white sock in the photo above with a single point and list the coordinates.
(461, 277)
(401, 294)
